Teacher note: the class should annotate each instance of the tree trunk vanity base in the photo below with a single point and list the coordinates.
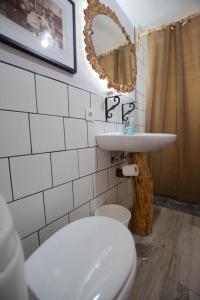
(142, 188)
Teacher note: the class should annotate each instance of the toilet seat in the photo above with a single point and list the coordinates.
(92, 258)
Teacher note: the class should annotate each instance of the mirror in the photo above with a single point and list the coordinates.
(109, 48)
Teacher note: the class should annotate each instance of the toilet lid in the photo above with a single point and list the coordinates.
(89, 259)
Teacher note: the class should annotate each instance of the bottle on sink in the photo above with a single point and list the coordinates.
(130, 126)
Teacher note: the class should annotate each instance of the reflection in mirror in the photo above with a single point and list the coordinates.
(109, 48)
(114, 53)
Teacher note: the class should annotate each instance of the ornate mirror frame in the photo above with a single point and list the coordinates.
(95, 8)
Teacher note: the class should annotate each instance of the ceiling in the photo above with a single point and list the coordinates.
(145, 14)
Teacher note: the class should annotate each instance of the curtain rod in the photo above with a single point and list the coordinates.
(183, 21)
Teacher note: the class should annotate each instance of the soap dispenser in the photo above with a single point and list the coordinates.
(130, 127)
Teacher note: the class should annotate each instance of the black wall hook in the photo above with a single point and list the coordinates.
(108, 113)
(124, 114)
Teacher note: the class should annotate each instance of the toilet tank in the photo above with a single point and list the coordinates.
(12, 279)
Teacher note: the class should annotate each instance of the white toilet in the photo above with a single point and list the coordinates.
(92, 258)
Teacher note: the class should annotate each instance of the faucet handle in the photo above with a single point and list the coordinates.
(126, 123)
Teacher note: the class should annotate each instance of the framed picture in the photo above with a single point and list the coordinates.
(42, 28)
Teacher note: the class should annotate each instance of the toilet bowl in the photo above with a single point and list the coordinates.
(92, 258)
(12, 277)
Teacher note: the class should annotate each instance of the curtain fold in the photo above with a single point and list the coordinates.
(173, 106)
(118, 64)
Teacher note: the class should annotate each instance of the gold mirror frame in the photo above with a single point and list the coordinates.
(95, 8)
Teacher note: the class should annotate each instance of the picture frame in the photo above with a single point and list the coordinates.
(45, 29)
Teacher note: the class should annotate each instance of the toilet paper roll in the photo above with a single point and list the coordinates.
(130, 170)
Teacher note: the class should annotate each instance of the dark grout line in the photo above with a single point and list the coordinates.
(68, 100)
(42, 153)
(36, 100)
(49, 77)
(38, 234)
(51, 170)
(29, 125)
(67, 214)
(9, 168)
(45, 216)
(63, 183)
(64, 133)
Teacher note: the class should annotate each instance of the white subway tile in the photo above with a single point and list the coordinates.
(87, 161)
(30, 174)
(141, 129)
(17, 89)
(144, 42)
(111, 196)
(141, 86)
(28, 214)
(64, 166)
(14, 134)
(127, 202)
(96, 202)
(47, 133)
(94, 128)
(129, 186)
(140, 102)
(78, 101)
(122, 191)
(52, 96)
(83, 190)
(120, 128)
(141, 118)
(100, 182)
(139, 68)
(98, 104)
(5, 185)
(110, 127)
(140, 54)
(30, 244)
(58, 201)
(112, 178)
(75, 133)
(52, 228)
(79, 213)
(104, 159)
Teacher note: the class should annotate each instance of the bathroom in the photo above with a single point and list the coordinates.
(60, 161)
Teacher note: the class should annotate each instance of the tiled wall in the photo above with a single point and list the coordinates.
(51, 171)
(139, 94)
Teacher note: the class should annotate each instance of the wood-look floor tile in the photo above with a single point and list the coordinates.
(166, 228)
(185, 264)
(150, 276)
(172, 290)
(193, 296)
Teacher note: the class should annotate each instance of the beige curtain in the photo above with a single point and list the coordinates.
(118, 64)
(173, 106)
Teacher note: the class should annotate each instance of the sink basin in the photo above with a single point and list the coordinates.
(138, 142)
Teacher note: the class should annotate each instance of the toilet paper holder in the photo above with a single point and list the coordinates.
(119, 173)
(128, 171)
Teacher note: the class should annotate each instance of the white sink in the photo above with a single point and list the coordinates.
(138, 142)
